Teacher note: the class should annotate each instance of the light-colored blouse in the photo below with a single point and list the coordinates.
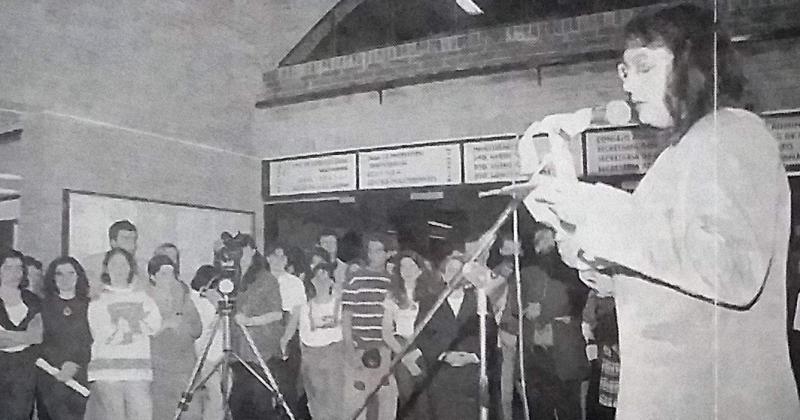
(708, 223)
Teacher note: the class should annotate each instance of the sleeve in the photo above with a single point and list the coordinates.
(99, 321)
(152, 317)
(297, 296)
(193, 325)
(349, 293)
(716, 241)
(430, 342)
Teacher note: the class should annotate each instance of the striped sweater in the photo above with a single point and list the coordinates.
(363, 297)
(122, 321)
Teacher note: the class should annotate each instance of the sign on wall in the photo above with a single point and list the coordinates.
(621, 151)
(786, 129)
(491, 161)
(313, 175)
(410, 167)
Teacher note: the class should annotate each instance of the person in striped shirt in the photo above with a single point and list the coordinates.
(366, 352)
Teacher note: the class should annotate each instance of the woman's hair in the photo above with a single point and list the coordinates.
(105, 278)
(398, 287)
(170, 245)
(203, 277)
(257, 265)
(318, 251)
(158, 261)
(81, 284)
(688, 32)
(326, 267)
(14, 254)
(296, 261)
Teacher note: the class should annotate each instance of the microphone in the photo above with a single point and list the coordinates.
(615, 112)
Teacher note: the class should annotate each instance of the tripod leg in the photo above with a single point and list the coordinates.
(273, 384)
(191, 388)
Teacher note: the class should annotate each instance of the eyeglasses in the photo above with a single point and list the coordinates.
(643, 63)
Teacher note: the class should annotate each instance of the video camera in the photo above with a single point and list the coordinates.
(228, 255)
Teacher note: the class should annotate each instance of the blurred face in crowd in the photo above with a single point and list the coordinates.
(247, 255)
(544, 241)
(126, 239)
(645, 73)
(118, 271)
(164, 277)
(66, 279)
(508, 247)
(11, 272)
(277, 259)
(322, 281)
(409, 270)
(330, 244)
(377, 255)
(169, 251)
(316, 259)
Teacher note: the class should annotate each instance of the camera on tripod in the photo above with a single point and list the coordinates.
(228, 254)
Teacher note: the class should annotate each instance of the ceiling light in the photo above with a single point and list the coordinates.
(439, 224)
(470, 7)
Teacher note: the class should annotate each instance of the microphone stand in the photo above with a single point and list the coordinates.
(486, 240)
(483, 376)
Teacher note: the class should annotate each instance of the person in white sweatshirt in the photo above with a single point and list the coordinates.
(122, 319)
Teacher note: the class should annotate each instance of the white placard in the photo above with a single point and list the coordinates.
(491, 161)
(313, 175)
(410, 167)
(786, 129)
(619, 152)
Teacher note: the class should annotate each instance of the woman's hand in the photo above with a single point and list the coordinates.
(67, 372)
(284, 343)
(564, 200)
(242, 319)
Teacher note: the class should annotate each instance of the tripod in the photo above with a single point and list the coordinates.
(225, 307)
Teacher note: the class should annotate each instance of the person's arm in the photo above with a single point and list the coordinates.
(151, 324)
(263, 319)
(193, 325)
(715, 242)
(291, 328)
(347, 337)
(387, 327)
(100, 324)
(430, 342)
(31, 335)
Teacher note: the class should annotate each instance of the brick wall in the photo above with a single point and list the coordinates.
(491, 50)
(484, 105)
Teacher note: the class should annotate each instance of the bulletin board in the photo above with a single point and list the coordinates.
(87, 216)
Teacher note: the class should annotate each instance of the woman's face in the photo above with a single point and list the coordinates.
(409, 270)
(66, 278)
(119, 270)
(645, 73)
(164, 276)
(321, 280)
(277, 259)
(11, 272)
(451, 268)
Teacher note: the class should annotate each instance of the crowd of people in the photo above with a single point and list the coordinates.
(131, 332)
